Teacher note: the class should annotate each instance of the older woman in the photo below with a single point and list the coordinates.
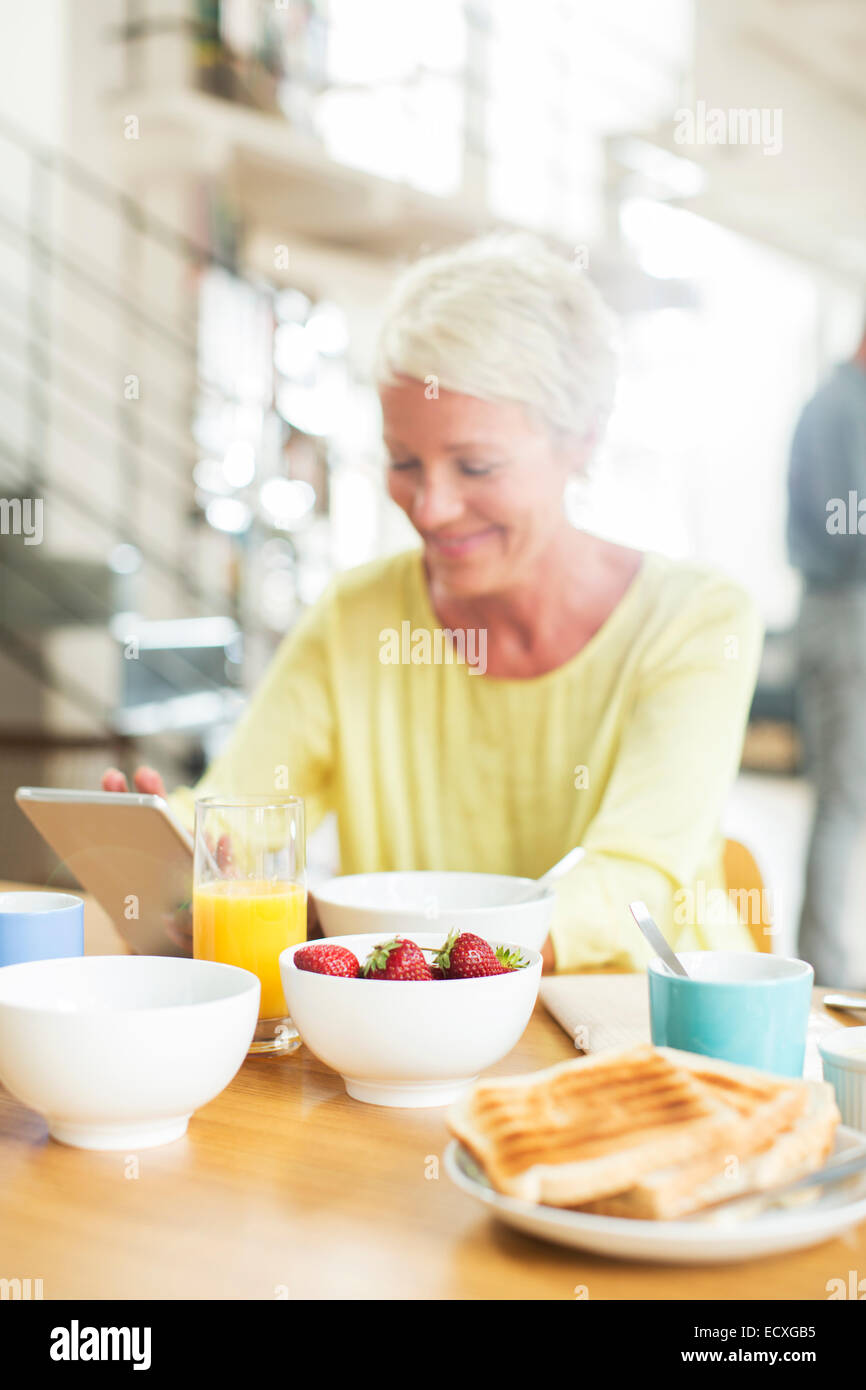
(516, 686)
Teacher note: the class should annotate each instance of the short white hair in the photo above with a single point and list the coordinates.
(505, 318)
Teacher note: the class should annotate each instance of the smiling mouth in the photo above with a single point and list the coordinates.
(455, 547)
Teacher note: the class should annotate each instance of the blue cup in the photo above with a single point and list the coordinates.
(40, 926)
(737, 1005)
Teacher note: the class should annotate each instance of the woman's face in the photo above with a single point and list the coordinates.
(482, 486)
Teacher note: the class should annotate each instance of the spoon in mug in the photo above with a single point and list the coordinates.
(652, 933)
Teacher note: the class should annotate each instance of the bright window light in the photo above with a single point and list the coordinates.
(395, 106)
(228, 514)
(295, 354)
(209, 478)
(125, 559)
(287, 500)
(327, 330)
(239, 464)
(578, 83)
(669, 243)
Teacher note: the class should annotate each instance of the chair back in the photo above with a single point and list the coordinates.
(745, 880)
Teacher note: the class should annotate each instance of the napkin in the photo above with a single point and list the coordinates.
(602, 1011)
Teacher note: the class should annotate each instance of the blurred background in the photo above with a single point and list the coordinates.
(202, 204)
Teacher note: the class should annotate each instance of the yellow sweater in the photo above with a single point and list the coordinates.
(628, 749)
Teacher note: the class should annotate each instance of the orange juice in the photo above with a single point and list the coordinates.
(242, 922)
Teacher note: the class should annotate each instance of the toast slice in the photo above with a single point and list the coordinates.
(800, 1150)
(587, 1128)
(766, 1104)
(789, 1130)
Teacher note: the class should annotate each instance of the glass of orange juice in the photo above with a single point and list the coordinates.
(249, 897)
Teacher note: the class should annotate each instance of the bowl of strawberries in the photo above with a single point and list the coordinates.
(410, 1021)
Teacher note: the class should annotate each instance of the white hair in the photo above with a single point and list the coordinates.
(505, 318)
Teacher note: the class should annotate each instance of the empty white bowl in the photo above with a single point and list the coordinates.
(843, 1058)
(409, 1042)
(118, 1051)
(411, 901)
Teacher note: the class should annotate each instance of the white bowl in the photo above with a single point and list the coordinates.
(118, 1051)
(409, 1042)
(411, 901)
(843, 1057)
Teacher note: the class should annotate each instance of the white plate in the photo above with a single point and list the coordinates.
(695, 1241)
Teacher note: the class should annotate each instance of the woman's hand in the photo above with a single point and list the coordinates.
(145, 780)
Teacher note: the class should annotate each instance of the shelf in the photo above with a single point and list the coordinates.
(285, 178)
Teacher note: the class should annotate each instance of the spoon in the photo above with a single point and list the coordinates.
(845, 1001)
(844, 1165)
(562, 866)
(652, 933)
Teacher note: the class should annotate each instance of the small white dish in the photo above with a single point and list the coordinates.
(696, 1241)
(411, 901)
(118, 1051)
(408, 1043)
(843, 1058)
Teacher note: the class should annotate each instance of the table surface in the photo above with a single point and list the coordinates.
(286, 1188)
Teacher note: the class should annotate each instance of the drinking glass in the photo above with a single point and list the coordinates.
(249, 897)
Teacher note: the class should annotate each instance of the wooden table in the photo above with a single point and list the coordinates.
(286, 1188)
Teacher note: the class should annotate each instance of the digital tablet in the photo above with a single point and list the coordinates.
(129, 852)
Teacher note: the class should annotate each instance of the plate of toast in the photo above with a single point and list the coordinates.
(647, 1153)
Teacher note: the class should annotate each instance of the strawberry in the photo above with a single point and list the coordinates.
(396, 960)
(466, 956)
(327, 960)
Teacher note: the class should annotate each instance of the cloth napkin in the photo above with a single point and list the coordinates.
(602, 1011)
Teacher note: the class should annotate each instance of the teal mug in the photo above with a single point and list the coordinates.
(740, 1006)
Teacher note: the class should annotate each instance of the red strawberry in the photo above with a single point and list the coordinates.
(466, 956)
(396, 960)
(327, 960)
(437, 972)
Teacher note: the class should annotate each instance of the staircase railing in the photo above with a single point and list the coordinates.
(54, 375)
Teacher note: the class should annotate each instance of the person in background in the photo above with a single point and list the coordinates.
(827, 481)
(515, 686)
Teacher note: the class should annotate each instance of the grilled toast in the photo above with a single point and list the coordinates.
(788, 1130)
(591, 1127)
